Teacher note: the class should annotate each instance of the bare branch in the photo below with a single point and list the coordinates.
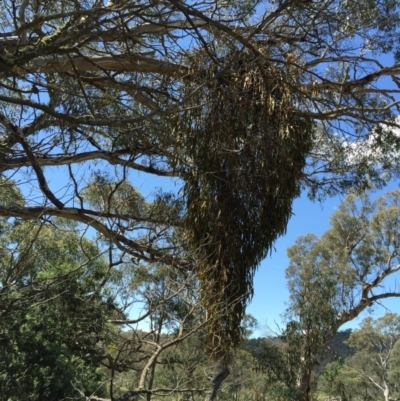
(119, 63)
(132, 247)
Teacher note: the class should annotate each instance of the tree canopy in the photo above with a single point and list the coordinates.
(54, 310)
(375, 342)
(332, 280)
(81, 321)
(372, 371)
(245, 103)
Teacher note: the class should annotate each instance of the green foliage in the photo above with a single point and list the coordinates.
(340, 380)
(394, 369)
(377, 335)
(281, 362)
(375, 341)
(53, 311)
(331, 280)
(326, 274)
(9, 193)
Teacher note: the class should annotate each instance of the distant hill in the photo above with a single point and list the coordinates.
(337, 345)
(335, 348)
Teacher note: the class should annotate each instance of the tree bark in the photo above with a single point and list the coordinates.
(125, 63)
(217, 383)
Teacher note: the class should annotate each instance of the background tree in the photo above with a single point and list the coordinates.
(54, 310)
(341, 380)
(333, 279)
(245, 102)
(348, 264)
(80, 320)
(394, 369)
(375, 341)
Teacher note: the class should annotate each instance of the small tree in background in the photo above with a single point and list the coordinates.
(375, 342)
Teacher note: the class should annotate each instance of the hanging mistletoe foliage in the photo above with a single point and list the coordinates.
(248, 149)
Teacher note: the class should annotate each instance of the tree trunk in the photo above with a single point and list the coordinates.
(386, 392)
(217, 382)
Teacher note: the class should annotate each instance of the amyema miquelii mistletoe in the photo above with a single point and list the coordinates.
(245, 103)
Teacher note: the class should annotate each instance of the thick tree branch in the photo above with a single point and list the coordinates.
(366, 299)
(181, 335)
(35, 212)
(118, 63)
(347, 87)
(111, 157)
(39, 174)
(31, 157)
(133, 248)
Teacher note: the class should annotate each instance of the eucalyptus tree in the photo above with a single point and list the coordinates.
(80, 320)
(394, 369)
(54, 308)
(375, 341)
(331, 280)
(245, 103)
(341, 380)
(160, 351)
(372, 372)
(347, 269)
